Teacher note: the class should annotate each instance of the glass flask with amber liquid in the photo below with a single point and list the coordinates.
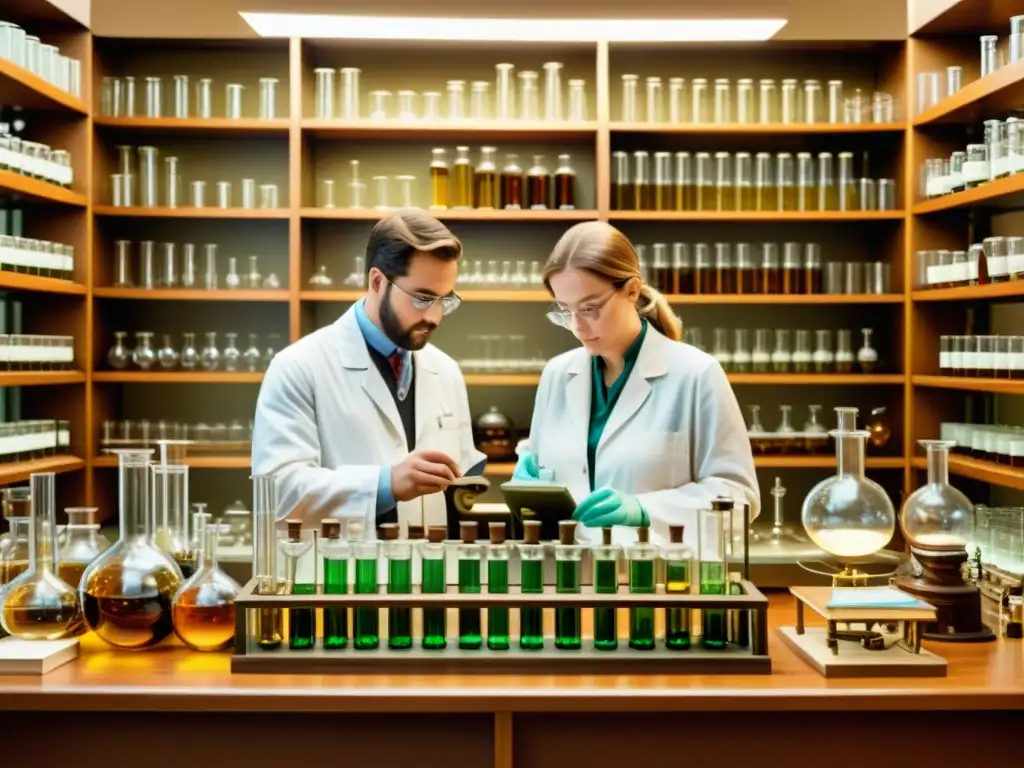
(438, 179)
(725, 273)
(661, 269)
(512, 184)
(812, 268)
(683, 190)
(766, 196)
(704, 183)
(746, 197)
(769, 274)
(127, 591)
(565, 184)
(38, 605)
(621, 182)
(486, 177)
(663, 190)
(643, 197)
(15, 544)
(703, 270)
(682, 269)
(806, 188)
(538, 185)
(792, 269)
(725, 192)
(828, 192)
(462, 180)
(204, 607)
(746, 272)
(82, 544)
(170, 510)
(848, 197)
(785, 182)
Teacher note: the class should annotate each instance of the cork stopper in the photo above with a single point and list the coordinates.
(531, 531)
(496, 531)
(468, 531)
(416, 532)
(566, 531)
(722, 504)
(606, 536)
(294, 529)
(643, 534)
(330, 529)
(675, 534)
(388, 531)
(436, 534)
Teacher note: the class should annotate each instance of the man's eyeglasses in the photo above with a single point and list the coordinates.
(423, 303)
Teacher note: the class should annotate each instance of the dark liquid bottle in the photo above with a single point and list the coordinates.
(682, 269)
(512, 184)
(703, 274)
(792, 270)
(621, 182)
(538, 185)
(565, 185)
(486, 177)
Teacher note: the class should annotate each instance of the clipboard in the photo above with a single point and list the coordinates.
(546, 502)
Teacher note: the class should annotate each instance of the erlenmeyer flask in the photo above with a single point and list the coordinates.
(231, 354)
(128, 590)
(170, 510)
(119, 356)
(189, 353)
(866, 355)
(38, 605)
(252, 354)
(144, 355)
(209, 358)
(204, 608)
(167, 355)
(82, 544)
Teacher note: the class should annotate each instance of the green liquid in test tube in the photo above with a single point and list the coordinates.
(641, 556)
(677, 557)
(365, 630)
(606, 582)
(335, 553)
(399, 557)
(497, 583)
(714, 632)
(568, 630)
(531, 581)
(470, 637)
(301, 621)
(432, 555)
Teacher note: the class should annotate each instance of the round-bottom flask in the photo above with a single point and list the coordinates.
(204, 607)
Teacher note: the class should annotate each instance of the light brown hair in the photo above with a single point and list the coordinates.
(602, 250)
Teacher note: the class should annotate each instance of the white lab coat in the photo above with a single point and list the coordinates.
(675, 439)
(326, 423)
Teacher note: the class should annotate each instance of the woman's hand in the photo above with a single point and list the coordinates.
(527, 467)
(606, 506)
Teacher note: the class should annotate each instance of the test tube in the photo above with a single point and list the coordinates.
(324, 92)
(577, 100)
(268, 98)
(629, 98)
(553, 90)
(349, 93)
(677, 100)
(168, 265)
(233, 101)
(505, 92)
(147, 265)
(835, 101)
(711, 556)
(223, 194)
(123, 270)
(654, 99)
(989, 54)
(181, 96)
(722, 113)
(663, 188)
(148, 177)
(814, 102)
(785, 181)
(204, 98)
(642, 196)
(188, 265)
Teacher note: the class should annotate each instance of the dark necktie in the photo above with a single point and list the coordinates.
(397, 359)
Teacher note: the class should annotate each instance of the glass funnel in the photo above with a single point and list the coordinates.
(82, 544)
(38, 605)
(128, 590)
(204, 608)
(848, 515)
(937, 517)
(170, 511)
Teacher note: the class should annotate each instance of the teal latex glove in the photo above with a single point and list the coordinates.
(606, 506)
(527, 467)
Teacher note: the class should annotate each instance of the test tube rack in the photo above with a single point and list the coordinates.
(750, 604)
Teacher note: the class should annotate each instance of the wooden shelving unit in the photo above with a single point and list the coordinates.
(985, 471)
(1000, 193)
(747, 129)
(1010, 291)
(176, 377)
(216, 126)
(40, 378)
(191, 213)
(767, 216)
(456, 214)
(761, 462)
(109, 461)
(38, 191)
(971, 384)
(187, 294)
(491, 130)
(19, 281)
(541, 296)
(18, 472)
(19, 86)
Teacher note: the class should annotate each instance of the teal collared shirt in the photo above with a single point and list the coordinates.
(603, 398)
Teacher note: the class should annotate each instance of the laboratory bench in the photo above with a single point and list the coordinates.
(524, 721)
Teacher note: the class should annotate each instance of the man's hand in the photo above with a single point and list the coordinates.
(421, 473)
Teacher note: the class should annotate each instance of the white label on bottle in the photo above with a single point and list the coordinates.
(1017, 361)
(945, 360)
(935, 187)
(997, 265)
(1015, 263)
(1001, 361)
(934, 274)
(958, 272)
(975, 171)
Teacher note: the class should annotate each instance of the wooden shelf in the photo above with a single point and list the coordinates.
(962, 17)
(467, 214)
(768, 298)
(19, 281)
(755, 129)
(17, 472)
(989, 96)
(490, 130)
(976, 469)
(21, 87)
(40, 378)
(184, 294)
(216, 126)
(195, 462)
(761, 462)
(1007, 192)
(191, 213)
(997, 386)
(39, 191)
(773, 216)
(769, 379)
(177, 377)
(502, 379)
(500, 296)
(1012, 289)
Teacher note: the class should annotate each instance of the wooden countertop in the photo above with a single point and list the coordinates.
(981, 676)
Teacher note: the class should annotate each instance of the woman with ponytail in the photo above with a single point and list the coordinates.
(642, 428)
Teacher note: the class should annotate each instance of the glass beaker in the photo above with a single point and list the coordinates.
(82, 544)
(38, 604)
(380, 186)
(456, 90)
(406, 105)
(204, 606)
(577, 100)
(653, 101)
(127, 591)
(782, 356)
(505, 91)
(844, 351)
(380, 105)
(209, 358)
(480, 100)
(629, 98)
(529, 98)
(267, 626)
(824, 359)
(552, 90)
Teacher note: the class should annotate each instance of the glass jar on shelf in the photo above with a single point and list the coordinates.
(761, 358)
(786, 436)
(538, 185)
(210, 357)
(529, 96)
(253, 279)
(512, 183)
(552, 90)
(143, 356)
(844, 351)
(629, 98)
(867, 356)
(823, 357)
(119, 355)
(720, 349)
(486, 178)
(231, 356)
(802, 357)
(782, 357)
(320, 280)
(232, 280)
(759, 438)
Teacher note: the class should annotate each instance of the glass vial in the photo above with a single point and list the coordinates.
(641, 557)
(398, 553)
(434, 582)
(553, 91)
(678, 557)
(568, 635)
(606, 582)
(365, 629)
(538, 185)
(462, 192)
(512, 183)
(469, 556)
(438, 179)
(565, 184)
(711, 554)
(531, 580)
(335, 552)
(486, 178)
(497, 583)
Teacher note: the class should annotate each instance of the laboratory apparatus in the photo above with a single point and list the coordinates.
(497, 583)
(606, 582)
(433, 556)
(398, 554)
(82, 543)
(678, 559)
(204, 607)
(335, 552)
(268, 621)
(365, 629)
(641, 557)
(568, 564)
(531, 580)
(170, 511)
(711, 554)
(296, 545)
(470, 554)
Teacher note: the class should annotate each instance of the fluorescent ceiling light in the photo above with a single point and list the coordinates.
(512, 30)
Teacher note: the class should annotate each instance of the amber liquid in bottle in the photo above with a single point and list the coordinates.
(439, 187)
(684, 280)
(706, 280)
(206, 626)
(766, 199)
(787, 199)
(131, 622)
(770, 279)
(486, 189)
(707, 198)
(642, 197)
(725, 199)
(792, 281)
(807, 198)
(830, 197)
(620, 196)
(462, 196)
(12, 570)
(663, 197)
(725, 280)
(747, 199)
(812, 280)
(565, 194)
(664, 280)
(538, 193)
(71, 573)
(683, 197)
(512, 191)
(746, 281)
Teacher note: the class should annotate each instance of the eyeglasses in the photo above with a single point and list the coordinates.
(590, 311)
(422, 303)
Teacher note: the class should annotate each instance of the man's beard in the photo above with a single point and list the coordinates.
(392, 327)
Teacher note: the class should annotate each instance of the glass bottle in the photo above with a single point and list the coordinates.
(643, 196)
(456, 99)
(606, 582)
(438, 179)
(167, 356)
(252, 354)
(433, 556)
(82, 544)
(867, 357)
(785, 182)
(232, 279)
(38, 604)
(267, 625)
(792, 269)
(531, 580)
(847, 183)
(462, 174)
(824, 360)
(878, 428)
(253, 279)
(512, 184)
(828, 193)
(703, 272)
(204, 607)
(365, 629)
(470, 554)
(816, 438)
(741, 358)
(629, 98)
(209, 358)
(705, 192)
(682, 269)
(725, 192)
(231, 355)
(565, 184)
(937, 518)
(746, 197)
(189, 353)
(127, 591)
(553, 90)
(529, 98)
(684, 191)
(398, 553)
(301, 621)
(170, 512)
(711, 554)
(781, 356)
(497, 583)
(335, 553)
(761, 358)
(641, 557)
(812, 268)
(769, 276)
(119, 356)
(567, 580)
(720, 349)
(766, 196)
(844, 351)
(725, 275)
(806, 188)
(538, 185)
(746, 273)
(14, 545)
(848, 515)
(677, 557)
(662, 191)
(486, 177)
(802, 352)
(621, 182)
(144, 355)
